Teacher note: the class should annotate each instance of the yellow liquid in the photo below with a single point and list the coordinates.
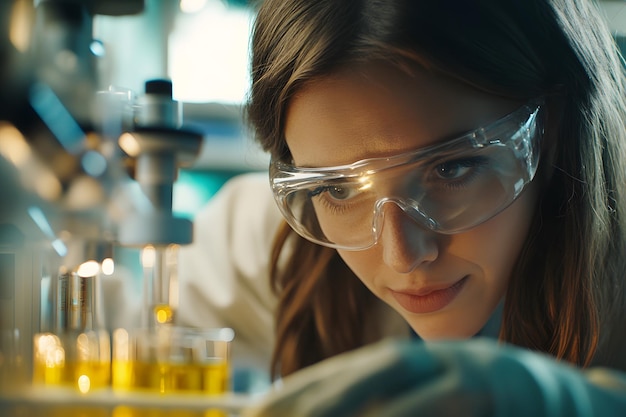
(210, 379)
(84, 376)
(163, 313)
(87, 411)
(124, 411)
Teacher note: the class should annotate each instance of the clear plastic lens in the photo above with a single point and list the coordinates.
(448, 188)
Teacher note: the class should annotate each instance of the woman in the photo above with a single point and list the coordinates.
(462, 161)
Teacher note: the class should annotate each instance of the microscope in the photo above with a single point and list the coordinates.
(84, 168)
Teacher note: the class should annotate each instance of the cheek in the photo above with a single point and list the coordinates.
(490, 250)
(363, 263)
(496, 244)
(369, 268)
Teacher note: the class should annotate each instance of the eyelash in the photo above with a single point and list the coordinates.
(473, 164)
(331, 203)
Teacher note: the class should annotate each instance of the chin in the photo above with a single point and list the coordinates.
(431, 333)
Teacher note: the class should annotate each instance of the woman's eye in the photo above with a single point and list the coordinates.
(335, 199)
(339, 193)
(451, 171)
(454, 170)
(334, 192)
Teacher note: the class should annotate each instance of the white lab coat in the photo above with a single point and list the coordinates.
(224, 274)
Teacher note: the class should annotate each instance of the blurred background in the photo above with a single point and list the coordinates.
(119, 120)
(202, 46)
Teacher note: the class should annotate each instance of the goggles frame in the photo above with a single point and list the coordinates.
(520, 131)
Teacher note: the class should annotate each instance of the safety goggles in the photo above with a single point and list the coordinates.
(448, 187)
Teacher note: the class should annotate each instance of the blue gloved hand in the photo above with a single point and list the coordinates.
(478, 377)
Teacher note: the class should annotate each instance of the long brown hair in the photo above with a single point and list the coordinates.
(566, 294)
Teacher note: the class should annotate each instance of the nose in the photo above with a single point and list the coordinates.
(406, 245)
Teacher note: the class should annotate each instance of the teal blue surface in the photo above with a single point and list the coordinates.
(193, 189)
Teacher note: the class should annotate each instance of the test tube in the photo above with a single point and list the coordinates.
(160, 270)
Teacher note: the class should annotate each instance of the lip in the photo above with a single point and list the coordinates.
(430, 299)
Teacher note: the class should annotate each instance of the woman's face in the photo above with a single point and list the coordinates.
(445, 286)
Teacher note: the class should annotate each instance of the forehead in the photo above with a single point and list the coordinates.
(378, 110)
